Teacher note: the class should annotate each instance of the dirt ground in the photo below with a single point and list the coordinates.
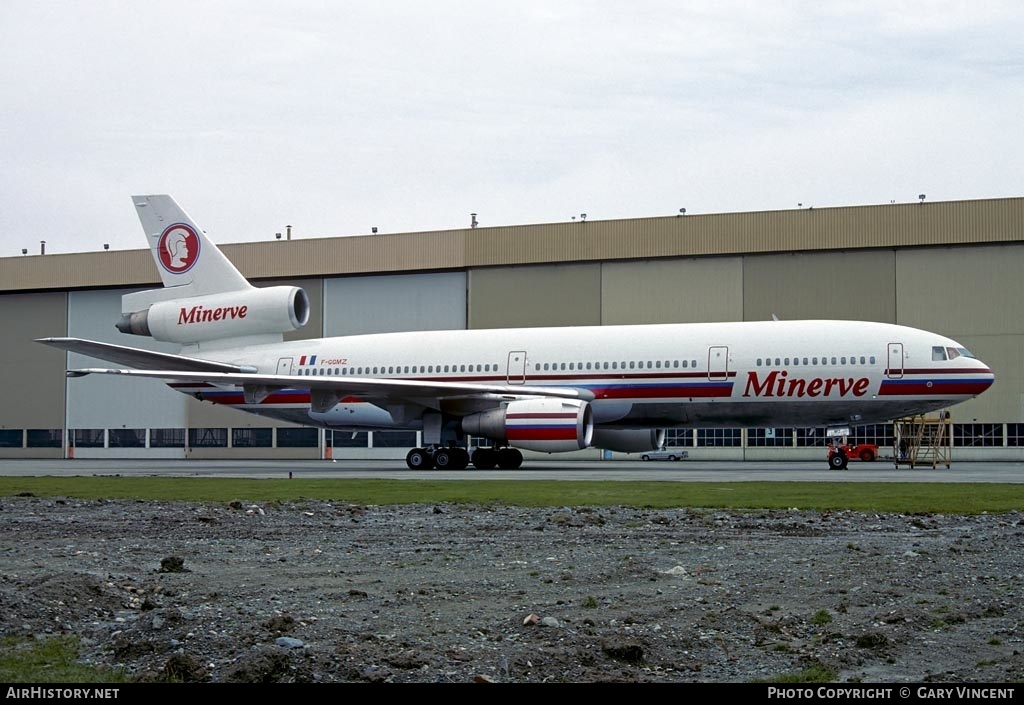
(320, 591)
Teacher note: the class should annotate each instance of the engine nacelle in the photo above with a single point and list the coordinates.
(547, 425)
(232, 314)
(628, 440)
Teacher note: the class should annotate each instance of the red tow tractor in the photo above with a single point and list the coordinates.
(839, 455)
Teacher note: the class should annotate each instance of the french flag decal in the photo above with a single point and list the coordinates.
(311, 361)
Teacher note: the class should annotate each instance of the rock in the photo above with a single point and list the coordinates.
(530, 620)
(173, 564)
(628, 650)
(550, 622)
(289, 642)
(280, 624)
(184, 668)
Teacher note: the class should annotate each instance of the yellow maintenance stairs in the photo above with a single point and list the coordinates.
(923, 440)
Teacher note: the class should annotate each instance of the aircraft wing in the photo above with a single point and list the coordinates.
(137, 357)
(376, 390)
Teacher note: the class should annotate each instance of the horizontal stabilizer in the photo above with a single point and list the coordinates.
(138, 358)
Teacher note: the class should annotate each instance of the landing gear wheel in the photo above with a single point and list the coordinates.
(509, 459)
(485, 459)
(419, 459)
(443, 459)
(460, 458)
(837, 461)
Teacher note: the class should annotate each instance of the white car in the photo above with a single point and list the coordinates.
(663, 454)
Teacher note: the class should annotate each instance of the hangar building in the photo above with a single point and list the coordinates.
(953, 268)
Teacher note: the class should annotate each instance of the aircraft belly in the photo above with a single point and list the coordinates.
(757, 414)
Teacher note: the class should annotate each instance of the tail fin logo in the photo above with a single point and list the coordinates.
(178, 248)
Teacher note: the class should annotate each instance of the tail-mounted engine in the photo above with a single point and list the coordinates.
(233, 314)
(548, 425)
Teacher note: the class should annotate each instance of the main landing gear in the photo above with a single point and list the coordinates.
(456, 458)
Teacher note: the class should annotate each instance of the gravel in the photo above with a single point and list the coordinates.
(322, 591)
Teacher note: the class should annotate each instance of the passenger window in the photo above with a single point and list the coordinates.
(871, 359)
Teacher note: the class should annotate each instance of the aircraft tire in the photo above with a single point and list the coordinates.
(509, 459)
(419, 459)
(485, 459)
(444, 459)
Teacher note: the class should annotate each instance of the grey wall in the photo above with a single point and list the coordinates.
(522, 297)
(856, 285)
(103, 401)
(32, 375)
(389, 304)
(672, 291)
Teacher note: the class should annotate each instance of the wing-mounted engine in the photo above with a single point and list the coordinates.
(628, 440)
(232, 314)
(547, 425)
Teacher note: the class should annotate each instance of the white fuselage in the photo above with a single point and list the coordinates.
(749, 374)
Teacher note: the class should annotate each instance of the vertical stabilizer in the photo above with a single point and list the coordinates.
(205, 302)
(184, 256)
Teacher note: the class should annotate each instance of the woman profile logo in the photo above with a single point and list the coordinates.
(178, 248)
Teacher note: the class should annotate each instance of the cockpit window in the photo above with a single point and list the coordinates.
(965, 352)
(938, 353)
(953, 353)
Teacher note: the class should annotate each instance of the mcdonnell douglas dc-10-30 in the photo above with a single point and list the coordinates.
(540, 389)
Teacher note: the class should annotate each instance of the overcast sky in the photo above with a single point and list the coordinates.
(335, 117)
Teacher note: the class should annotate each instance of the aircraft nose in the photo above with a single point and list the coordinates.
(985, 377)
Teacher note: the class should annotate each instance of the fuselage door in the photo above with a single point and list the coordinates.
(895, 368)
(517, 367)
(718, 363)
(284, 366)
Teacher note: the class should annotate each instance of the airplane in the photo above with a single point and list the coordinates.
(615, 387)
